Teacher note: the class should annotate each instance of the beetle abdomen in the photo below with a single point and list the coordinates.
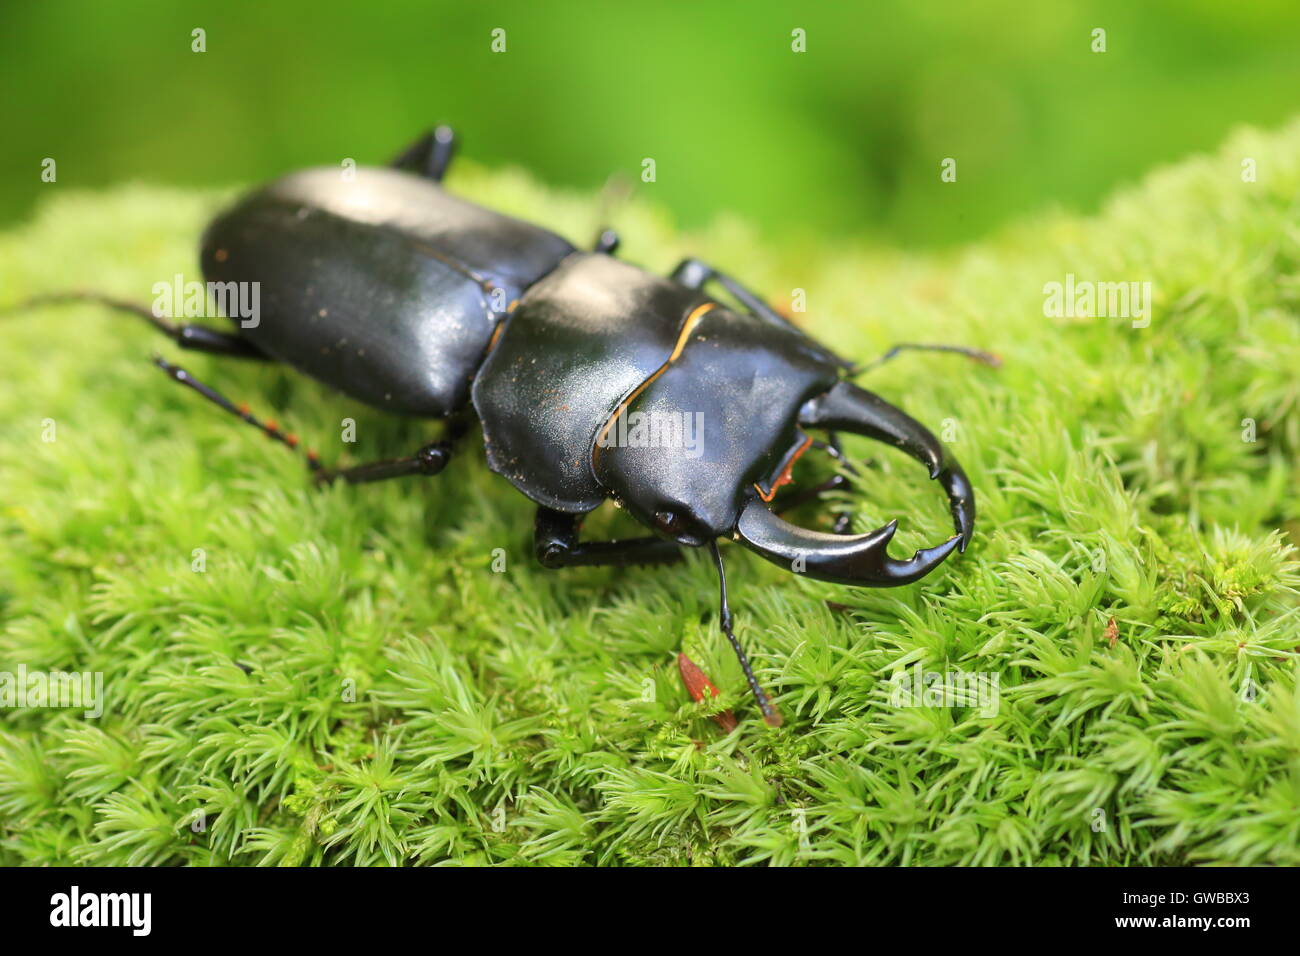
(382, 286)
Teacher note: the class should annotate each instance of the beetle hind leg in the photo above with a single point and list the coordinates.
(268, 428)
(429, 460)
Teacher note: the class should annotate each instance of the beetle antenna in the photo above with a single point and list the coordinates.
(978, 355)
(771, 716)
(268, 428)
(62, 298)
(202, 338)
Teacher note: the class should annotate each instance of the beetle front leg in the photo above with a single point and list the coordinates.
(555, 540)
(694, 273)
(429, 460)
(835, 482)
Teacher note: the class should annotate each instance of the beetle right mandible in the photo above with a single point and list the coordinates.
(592, 379)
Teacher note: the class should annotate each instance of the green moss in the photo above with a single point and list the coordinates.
(350, 682)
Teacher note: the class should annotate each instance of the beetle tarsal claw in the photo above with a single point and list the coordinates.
(858, 559)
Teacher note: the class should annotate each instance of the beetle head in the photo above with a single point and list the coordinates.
(693, 498)
(667, 481)
(696, 450)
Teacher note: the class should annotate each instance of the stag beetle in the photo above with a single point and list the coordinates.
(385, 287)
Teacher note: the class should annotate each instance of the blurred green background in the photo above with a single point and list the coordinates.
(846, 138)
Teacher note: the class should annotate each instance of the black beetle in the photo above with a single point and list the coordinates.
(591, 378)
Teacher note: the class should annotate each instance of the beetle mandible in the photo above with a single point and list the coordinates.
(389, 289)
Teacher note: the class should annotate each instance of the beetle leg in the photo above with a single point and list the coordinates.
(771, 716)
(201, 338)
(268, 428)
(804, 495)
(555, 537)
(606, 242)
(430, 155)
(555, 540)
(835, 482)
(694, 274)
(844, 518)
(197, 338)
(429, 460)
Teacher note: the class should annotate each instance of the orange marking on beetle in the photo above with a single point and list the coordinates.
(698, 685)
(688, 327)
(496, 334)
(784, 478)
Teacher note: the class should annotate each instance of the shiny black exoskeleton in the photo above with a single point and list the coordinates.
(592, 379)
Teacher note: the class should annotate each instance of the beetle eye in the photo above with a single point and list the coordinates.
(669, 522)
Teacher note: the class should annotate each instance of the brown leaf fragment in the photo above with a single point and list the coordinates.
(698, 686)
